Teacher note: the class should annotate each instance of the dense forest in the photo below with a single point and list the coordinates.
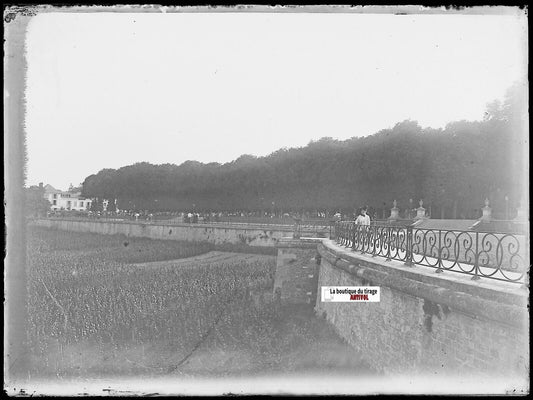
(452, 169)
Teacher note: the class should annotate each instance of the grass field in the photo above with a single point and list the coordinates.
(112, 305)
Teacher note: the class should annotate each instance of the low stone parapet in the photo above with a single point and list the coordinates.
(427, 322)
(252, 235)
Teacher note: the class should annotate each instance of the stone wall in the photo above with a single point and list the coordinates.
(427, 323)
(253, 235)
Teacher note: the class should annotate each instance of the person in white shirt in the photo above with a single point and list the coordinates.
(363, 218)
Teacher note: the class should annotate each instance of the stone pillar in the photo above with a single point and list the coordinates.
(420, 211)
(522, 212)
(394, 212)
(487, 211)
(297, 228)
(296, 278)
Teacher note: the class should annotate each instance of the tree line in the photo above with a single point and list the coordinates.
(452, 169)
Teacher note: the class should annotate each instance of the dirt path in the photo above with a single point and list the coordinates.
(212, 257)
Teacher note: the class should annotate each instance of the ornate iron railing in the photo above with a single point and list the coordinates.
(500, 256)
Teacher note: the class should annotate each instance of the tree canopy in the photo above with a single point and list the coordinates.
(35, 203)
(454, 168)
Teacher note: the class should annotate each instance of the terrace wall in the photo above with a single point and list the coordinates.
(427, 323)
(253, 235)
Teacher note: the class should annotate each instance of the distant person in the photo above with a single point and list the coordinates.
(363, 218)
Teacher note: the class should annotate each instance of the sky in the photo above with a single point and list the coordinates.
(105, 90)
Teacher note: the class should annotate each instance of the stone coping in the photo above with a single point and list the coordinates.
(220, 225)
(301, 243)
(503, 302)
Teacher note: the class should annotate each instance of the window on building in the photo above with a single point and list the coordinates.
(54, 202)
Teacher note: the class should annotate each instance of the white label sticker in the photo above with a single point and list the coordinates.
(350, 293)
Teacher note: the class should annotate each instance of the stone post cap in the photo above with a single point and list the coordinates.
(394, 212)
(420, 211)
(487, 211)
(522, 211)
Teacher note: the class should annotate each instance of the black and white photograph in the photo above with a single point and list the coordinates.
(266, 200)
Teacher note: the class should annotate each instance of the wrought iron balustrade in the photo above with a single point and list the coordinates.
(500, 256)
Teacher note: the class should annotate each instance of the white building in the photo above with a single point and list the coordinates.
(61, 200)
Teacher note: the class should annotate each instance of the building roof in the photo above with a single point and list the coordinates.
(50, 188)
(502, 226)
(473, 225)
(447, 224)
